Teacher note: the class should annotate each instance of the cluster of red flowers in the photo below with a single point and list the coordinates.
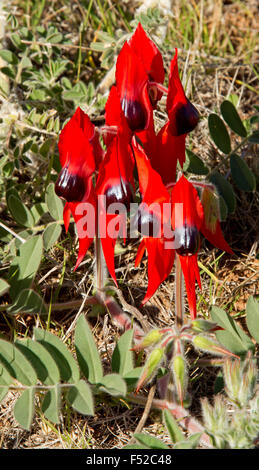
(92, 172)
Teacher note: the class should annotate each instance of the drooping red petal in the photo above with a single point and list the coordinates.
(160, 263)
(84, 214)
(216, 237)
(191, 274)
(154, 196)
(114, 189)
(66, 215)
(131, 82)
(183, 116)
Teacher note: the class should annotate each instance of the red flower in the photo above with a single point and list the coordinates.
(188, 221)
(80, 154)
(139, 63)
(115, 183)
(169, 146)
(183, 116)
(152, 60)
(152, 219)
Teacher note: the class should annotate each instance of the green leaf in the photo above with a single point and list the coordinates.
(195, 164)
(4, 286)
(252, 317)
(25, 265)
(38, 210)
(54, 203)
(232, 337)
(172, 427)
(225, 190)
(24, 408)
(51, 234)
(131, 378)
(9, 56)
(16, 364)
(28, 301)
(113, 384)
(223, 209)
(66, 363)
(43, 363)
(20, 212)
(122, 358)
(241, 173)
(150, 441)
(87, 352)
(232, 118)
(81, 398)
(51, 404)
(219, 133)
(5, 382)
(190, 443)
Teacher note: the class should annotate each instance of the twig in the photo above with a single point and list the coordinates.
(146, 411)
(180, 413)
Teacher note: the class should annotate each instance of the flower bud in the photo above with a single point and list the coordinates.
(206, 344)
(150, 367)
(179, 371)
(201, 325)
(153, 337)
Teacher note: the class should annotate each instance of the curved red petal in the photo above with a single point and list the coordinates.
(160, 263)
(216, 237)
(183, 116)
(191, 275)
(150, 55)
(84, 214)
(66, 215)
(75, 150)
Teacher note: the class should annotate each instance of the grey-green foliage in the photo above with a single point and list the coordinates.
(230, 135)
(235, 427)
(44, 365)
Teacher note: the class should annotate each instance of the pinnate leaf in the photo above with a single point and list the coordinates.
(241, 173)
(87, 352)
(81, 399)
(232, 118)
(219, 133)
(24, 408)
(252, 317)
(66, 363)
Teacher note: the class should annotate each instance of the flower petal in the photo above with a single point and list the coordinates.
(160, 263)
(166, 151)
(131, 82)
(183, 116)
(191, 274)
